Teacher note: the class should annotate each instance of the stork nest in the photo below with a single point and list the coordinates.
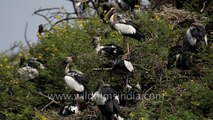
(180, 16)
(91, 113)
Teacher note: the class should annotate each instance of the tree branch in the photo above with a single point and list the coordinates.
(25, 36)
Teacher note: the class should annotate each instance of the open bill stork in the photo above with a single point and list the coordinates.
(107, 101)
(125, 28)
(108, 50)
(75, 79)
(195, 35)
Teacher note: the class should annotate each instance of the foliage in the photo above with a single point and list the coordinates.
(184, 94)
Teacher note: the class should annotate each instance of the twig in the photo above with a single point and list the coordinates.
(44, 17)
(39, 94)
(100, 69)
(66, 19)
(15, 45)
(204, 5)
(46, 9)
(25, 36)
(95, 7)
(46, 106)
(137, 65)
(150, 89)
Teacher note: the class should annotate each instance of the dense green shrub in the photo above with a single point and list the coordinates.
(185, 94)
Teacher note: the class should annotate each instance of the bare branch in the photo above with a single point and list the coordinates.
(44, 18)
(39, 93)
(66, 19)
(25, 36)
(95, 7)
(45, 9)
(15, 45)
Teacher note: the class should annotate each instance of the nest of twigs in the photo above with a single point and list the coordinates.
(92, 113)
(179, 16)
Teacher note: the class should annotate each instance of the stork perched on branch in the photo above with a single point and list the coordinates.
(109, 50)
(125, 28)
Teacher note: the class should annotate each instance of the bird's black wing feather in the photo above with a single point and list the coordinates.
(138, 35)
(198, 33)
(116, 106)
(112, 104)
(113, 50)
(194, 33)
(79, 77)
(108, 92)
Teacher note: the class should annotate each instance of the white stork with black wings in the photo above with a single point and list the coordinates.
(109, 50)
(75, 79)
(126, 28)
(108, 102)
(195, 35)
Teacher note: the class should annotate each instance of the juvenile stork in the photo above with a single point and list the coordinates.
(75, 79)
(72, 108)
(29, 69)
(126, 28)
(109, 50)
(107, 101)
(195, 35)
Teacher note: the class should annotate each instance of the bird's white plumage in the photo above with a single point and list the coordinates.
(98, 48)
(117, 98)
(118, 117)
(192, 40)
(206, 40)
(78, 3)
(74, 109)
(27, 73)
(177, 56)
(128, 65)
(124, 29)
(128, 86)
(138, 86)
(99, 98)
(73, 84)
